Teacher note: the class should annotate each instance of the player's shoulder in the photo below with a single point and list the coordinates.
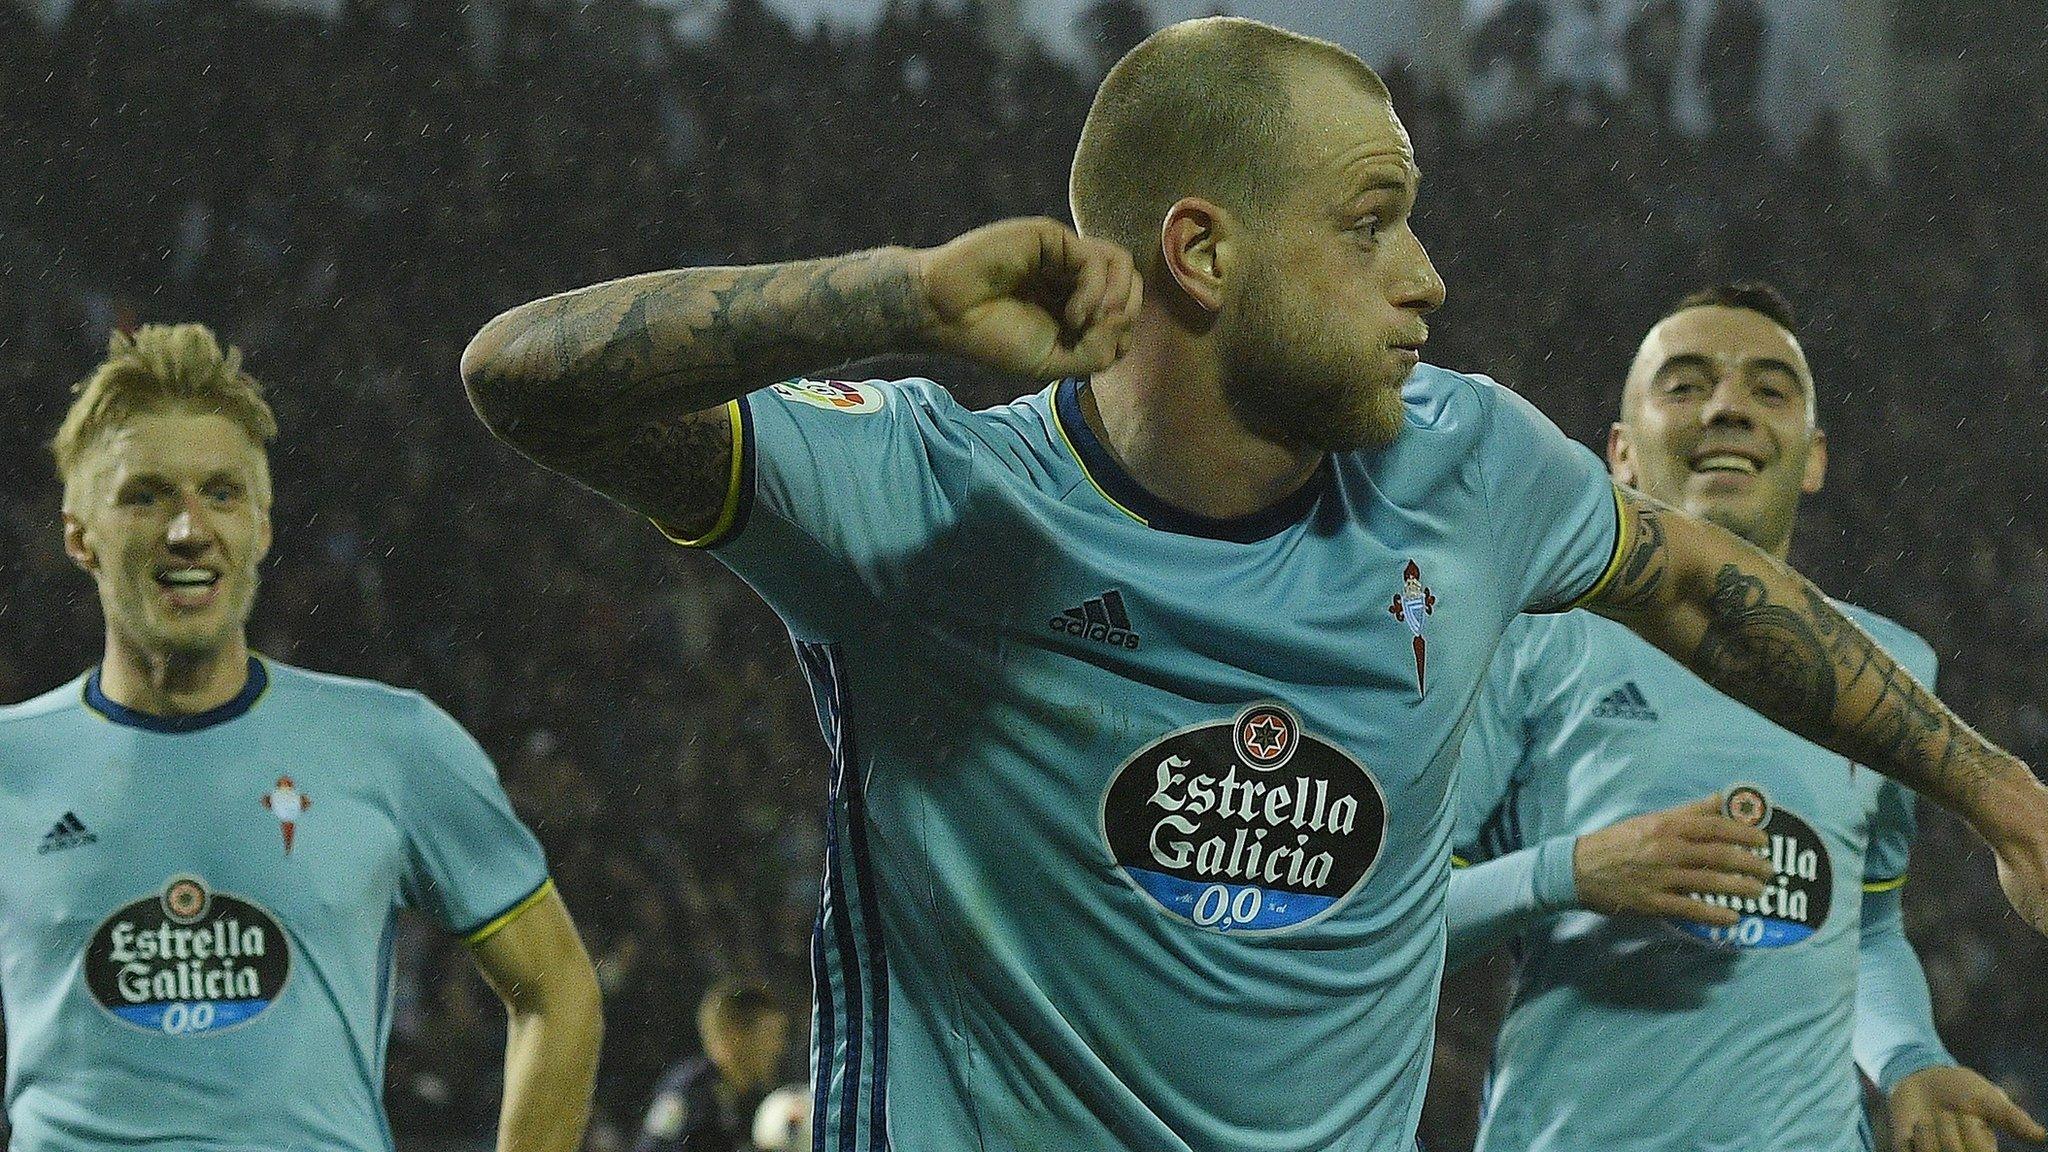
(66, 698)
(913, 397)
(929, 410)
(289, 683)
(368, 711)
(1443, 400)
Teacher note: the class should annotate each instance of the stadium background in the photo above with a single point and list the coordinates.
(348, 194)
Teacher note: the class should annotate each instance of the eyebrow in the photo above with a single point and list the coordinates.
(158, 479)
(1695, 360)
(1384, 178)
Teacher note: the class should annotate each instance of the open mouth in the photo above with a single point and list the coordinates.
(1727, 463)
(189, 587)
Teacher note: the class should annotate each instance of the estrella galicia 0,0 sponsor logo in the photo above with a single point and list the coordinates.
(1794, 903)
(187, 960)
(1247, 825)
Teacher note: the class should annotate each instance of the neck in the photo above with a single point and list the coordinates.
(173, 684)
(1780, 549)
(1160, 411)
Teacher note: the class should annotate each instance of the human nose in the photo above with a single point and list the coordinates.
(188, 529)
(1421, 289)
(1728, 404)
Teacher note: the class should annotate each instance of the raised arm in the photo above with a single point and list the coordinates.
(622, 385)
(1758, 631)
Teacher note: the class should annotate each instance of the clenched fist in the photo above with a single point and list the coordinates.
(1030, 296)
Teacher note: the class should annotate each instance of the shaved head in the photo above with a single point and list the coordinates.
(1750, 305)
(1200, 108)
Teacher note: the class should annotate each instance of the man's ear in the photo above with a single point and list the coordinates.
(1621, 462)
(1816, 464)
(1196, 241)
(76, 546)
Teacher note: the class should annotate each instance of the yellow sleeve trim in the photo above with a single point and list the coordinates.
(1883, 885)
(730, 510)
(1621, 543)
(1458, 861)
(499, 921)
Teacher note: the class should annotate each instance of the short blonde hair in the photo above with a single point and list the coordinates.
(1200, 108)
(159, 368)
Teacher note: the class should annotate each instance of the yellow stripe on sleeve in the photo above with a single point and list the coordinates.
(730, 510)
(492, 927)
(1458, 861)
(1621, 543)
(1883, 885)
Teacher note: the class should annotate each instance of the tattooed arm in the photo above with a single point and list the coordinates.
(1758, 631)
(620, 385)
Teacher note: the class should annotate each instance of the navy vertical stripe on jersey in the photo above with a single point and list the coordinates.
(851, 1013)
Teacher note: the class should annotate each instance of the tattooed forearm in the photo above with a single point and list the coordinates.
(1759, 632)
(1798, 660)
(562, 376)
(1773, 650)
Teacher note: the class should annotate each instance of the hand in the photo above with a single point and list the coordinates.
(1954, 1110)
(2020, 841)
(1030, 296)
(1653, 865)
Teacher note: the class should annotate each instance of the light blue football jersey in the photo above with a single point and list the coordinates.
(1630, 1033)
(196, 926)
(1138, 830)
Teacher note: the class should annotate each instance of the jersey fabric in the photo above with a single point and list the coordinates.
(1631, 1033)
(196, 928)
(1138, 828)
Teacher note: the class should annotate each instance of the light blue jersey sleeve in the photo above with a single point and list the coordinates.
(1557, 515)
(1895, 1034)
(837, 488)
(1499, 882)
(473, 865)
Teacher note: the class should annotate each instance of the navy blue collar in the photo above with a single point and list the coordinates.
(259, 679)
(1149, 510)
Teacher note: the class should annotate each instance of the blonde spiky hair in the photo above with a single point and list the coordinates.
(161, 367)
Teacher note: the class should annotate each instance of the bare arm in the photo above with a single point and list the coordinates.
(620, 385)
(537, 966)
(1758, 631)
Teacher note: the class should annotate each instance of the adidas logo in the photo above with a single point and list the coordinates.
(69, 833)
(1099, 618)
(1625, 703)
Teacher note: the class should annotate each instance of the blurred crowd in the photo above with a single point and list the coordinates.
(348, 199)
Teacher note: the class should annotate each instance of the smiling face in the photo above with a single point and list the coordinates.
(170, 513)
(1718, 419)
(1325, 319)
